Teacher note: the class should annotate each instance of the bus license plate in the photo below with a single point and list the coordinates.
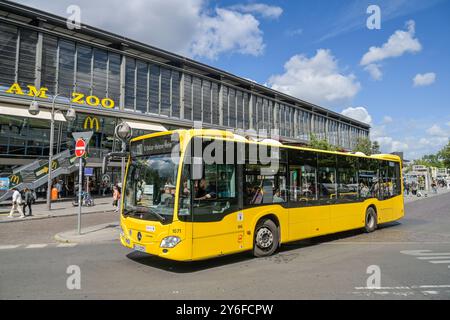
(140, 248)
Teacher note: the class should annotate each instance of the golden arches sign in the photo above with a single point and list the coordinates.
(90, 123)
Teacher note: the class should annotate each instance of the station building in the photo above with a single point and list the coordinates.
(108, 79)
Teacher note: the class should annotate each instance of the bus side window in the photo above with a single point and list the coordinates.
(303, 177)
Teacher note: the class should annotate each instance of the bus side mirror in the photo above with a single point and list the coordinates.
(197, 168)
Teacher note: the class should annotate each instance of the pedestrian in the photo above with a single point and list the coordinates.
(58, 186)
(407, 187)
(28, 201)
(16, 204)
(116, 198)
(434, 186)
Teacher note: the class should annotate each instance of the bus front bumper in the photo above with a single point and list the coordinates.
(180, 252)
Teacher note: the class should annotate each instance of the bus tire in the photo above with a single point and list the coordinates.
(266, 238)
(371, 220)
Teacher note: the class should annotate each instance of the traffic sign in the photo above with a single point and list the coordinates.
(80, 148)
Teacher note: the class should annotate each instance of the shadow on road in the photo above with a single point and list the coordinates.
(282, 255)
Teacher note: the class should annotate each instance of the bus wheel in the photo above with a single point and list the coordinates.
(371, 220)
(266, 238)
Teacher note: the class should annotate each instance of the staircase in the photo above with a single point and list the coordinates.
(29, 179)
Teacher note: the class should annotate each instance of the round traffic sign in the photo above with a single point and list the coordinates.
(80, 148)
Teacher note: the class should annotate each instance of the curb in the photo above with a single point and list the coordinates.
(62, 239)
(54, 216)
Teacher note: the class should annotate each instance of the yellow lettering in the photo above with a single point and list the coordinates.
(108, 103)
(33, 92)
(15, 89)
(77, 98)
(93, 101)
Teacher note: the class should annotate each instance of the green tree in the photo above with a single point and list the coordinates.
(320, 144)
(444, 155)
(363, 145)
(376, 149)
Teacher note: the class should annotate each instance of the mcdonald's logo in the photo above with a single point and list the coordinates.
(15, 179)
(90, 122)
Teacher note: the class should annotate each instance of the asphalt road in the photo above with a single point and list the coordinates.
(331, 267)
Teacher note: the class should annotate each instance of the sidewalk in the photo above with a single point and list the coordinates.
(99, 233)
(59, 209)
(426, 195)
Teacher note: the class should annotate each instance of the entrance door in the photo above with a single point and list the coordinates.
(215, 209)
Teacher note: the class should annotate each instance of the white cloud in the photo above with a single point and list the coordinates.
(358, 113)
(316, 79)
(388, 144)
(387, 119)
(437, 131)
(421, 80)
(374, 71)
(192, 29)
(228, 31)
(264, 10)
(399, 43)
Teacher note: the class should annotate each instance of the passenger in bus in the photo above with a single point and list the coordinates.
(364, 190)
(277, 197)
(204, 191)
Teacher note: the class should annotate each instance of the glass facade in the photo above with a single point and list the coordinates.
(146, 87)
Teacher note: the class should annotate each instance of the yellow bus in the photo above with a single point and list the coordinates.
(177, 205)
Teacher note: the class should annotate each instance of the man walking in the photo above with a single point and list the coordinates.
(28, 197)
(16, 204)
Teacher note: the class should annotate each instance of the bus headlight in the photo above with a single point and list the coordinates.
(170, 242)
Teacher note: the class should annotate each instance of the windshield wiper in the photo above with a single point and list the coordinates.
(146, 210)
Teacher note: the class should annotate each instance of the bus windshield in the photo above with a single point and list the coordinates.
(150, 188)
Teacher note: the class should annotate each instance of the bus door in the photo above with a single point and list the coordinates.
(216, 215)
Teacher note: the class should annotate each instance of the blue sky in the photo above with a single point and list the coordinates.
(311, 49)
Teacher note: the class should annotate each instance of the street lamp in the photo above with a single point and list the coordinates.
(34, 110)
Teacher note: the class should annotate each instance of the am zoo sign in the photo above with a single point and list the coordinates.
(78, 98)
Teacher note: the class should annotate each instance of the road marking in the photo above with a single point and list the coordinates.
(429, 256)
(405, 287)
(66, 245)
(424, 253)
(36, 246)
(9, 247)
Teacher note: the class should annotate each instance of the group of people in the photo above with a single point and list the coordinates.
(21, 203)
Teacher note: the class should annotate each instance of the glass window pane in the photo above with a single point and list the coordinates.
(240, 109)
(84, 61)
(206, 91)
(27, 58)
(49, 56)
(197, 99)
(232, 108)
(141, 87)
(165, 91)
(347, 176)
(187, 97)
(215, 103)
(154, 88)
(8, 45)
(326, 177)
(114, 78)
(176, 78)
(66, 68)
(100, 73)
(130, 78)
